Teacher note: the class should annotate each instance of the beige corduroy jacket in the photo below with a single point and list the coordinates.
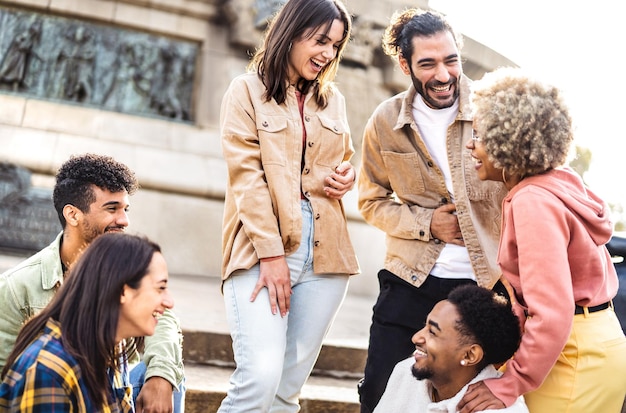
(262, 145)
(400, 185)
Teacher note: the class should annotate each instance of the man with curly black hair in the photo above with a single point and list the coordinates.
(91, 197)
(464, 337)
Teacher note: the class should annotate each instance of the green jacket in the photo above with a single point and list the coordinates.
(28, 287)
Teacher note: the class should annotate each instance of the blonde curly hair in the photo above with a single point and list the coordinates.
(523, 123)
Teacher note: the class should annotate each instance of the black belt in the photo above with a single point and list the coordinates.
(581, 310)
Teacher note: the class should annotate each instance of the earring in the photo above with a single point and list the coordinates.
(504, 176)
(289, 48)
(463, 362)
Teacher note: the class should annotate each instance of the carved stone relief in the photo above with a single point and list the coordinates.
(116, 69)
(28, 221)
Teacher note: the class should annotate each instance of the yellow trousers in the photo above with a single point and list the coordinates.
(590, 374)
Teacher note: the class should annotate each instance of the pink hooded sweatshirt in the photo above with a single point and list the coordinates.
(552, 251)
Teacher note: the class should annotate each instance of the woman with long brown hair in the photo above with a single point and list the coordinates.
(72, 356)
(287, 252)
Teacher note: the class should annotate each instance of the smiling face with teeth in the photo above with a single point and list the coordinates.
(314, 50)
(435, 68)
(140, 308)
(484, 165)
(439, 350)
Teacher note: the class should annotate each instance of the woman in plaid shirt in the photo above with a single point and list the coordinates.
(73, 355)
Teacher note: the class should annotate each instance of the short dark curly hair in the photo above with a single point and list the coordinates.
(76, 176)
(487, 319)
(523, 123)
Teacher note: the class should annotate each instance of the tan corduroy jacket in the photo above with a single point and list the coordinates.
(400, 186)
(262, 146)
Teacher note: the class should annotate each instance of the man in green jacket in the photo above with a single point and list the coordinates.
(91, 197)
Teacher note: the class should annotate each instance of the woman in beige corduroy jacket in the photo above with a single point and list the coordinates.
(287, 255)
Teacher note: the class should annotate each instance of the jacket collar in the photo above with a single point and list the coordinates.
(51, 268)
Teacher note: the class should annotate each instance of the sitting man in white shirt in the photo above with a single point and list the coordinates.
(464, 337)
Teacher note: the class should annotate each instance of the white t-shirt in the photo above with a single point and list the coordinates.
(405, 393)
(453, 262)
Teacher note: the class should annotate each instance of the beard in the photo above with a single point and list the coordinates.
(90, 233)
(421, 374)
(434, 103)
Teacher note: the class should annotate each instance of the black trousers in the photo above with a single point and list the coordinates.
(400, 311)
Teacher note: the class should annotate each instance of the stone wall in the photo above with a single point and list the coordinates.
(178, 161)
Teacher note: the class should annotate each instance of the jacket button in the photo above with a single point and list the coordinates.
(307, 194)
(336, 129)
(421, 233)
(444, 201)
(306, 171)
(430, 164)
(316, 243)
(317, 216)
(437, 241)
(310, 143)
(265, 124)
(414, 277)
(307, 118)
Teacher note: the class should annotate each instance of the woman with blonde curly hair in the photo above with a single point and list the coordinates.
(552, 251)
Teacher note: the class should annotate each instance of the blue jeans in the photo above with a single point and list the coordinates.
(137, 377)
(275, 355)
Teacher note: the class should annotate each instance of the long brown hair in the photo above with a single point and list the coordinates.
(295, 20)
(88, 304)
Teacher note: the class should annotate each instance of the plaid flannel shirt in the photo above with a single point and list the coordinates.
(45, 378)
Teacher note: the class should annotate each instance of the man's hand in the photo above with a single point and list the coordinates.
(340, 181)
(478, 398)
(445, 225)
(155, 396)
(275, 275)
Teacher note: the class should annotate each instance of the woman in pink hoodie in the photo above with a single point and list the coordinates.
(572, 357)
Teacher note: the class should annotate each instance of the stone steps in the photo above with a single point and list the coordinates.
(209, 361)
(214, 349)
(207, 385)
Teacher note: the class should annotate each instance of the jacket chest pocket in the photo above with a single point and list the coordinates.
(325, 140)
(404, 172)
(273, 135)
